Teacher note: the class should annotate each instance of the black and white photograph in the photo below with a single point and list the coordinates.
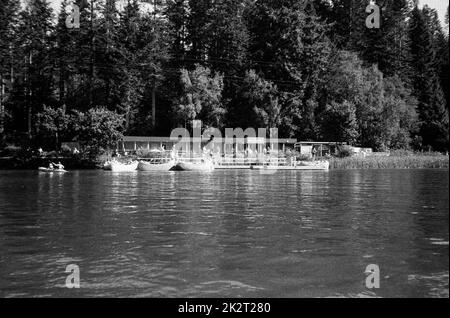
(235, 151)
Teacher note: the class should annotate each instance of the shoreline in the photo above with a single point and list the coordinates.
(33, 163)
(350, 163)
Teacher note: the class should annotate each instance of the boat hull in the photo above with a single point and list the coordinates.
(120, 167)
(147, 166)
(48, 170)
(188, 166)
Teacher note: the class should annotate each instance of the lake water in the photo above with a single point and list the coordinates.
(225, 233)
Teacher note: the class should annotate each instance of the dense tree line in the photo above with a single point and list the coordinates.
(309, 67)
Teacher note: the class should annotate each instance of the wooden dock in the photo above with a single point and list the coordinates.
(270, 164)
(254, 163)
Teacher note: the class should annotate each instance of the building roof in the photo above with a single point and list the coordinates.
(246, 139)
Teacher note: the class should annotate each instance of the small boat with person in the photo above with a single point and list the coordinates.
(48, 170)
(53, 168)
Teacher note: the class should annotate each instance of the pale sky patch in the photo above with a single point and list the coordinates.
(439, 5)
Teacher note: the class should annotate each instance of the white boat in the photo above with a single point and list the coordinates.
(49, 170)
(159, 165)
(204, 165)
(303, 165)
(124, 167)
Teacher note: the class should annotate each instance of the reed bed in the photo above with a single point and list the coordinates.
(391, 162)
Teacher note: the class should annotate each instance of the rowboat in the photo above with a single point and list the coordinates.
(156, 166)
(123, 167)
(48, 170)
(194, 166)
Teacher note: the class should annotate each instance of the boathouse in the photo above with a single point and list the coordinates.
(223, 145)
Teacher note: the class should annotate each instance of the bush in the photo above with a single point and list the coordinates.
(52, 125)
(409, 153)
(345, 152)
(66, 151)
(99, 129)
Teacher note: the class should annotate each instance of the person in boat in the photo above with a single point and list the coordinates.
(51, 166)
(59, 166)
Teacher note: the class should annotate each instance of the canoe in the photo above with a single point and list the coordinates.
(190, 166)
(48, 170)
(149, 166)
(122, 167)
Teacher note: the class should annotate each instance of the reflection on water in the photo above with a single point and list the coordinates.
(226, 233)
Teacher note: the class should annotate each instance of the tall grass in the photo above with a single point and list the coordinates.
(392, 162)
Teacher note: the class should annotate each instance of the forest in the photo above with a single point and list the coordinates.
(311, 68)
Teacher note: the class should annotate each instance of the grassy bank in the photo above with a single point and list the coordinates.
(392, 162)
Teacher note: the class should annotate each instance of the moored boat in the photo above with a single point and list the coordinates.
(156, 165)
(194, 166)
(123, 167)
